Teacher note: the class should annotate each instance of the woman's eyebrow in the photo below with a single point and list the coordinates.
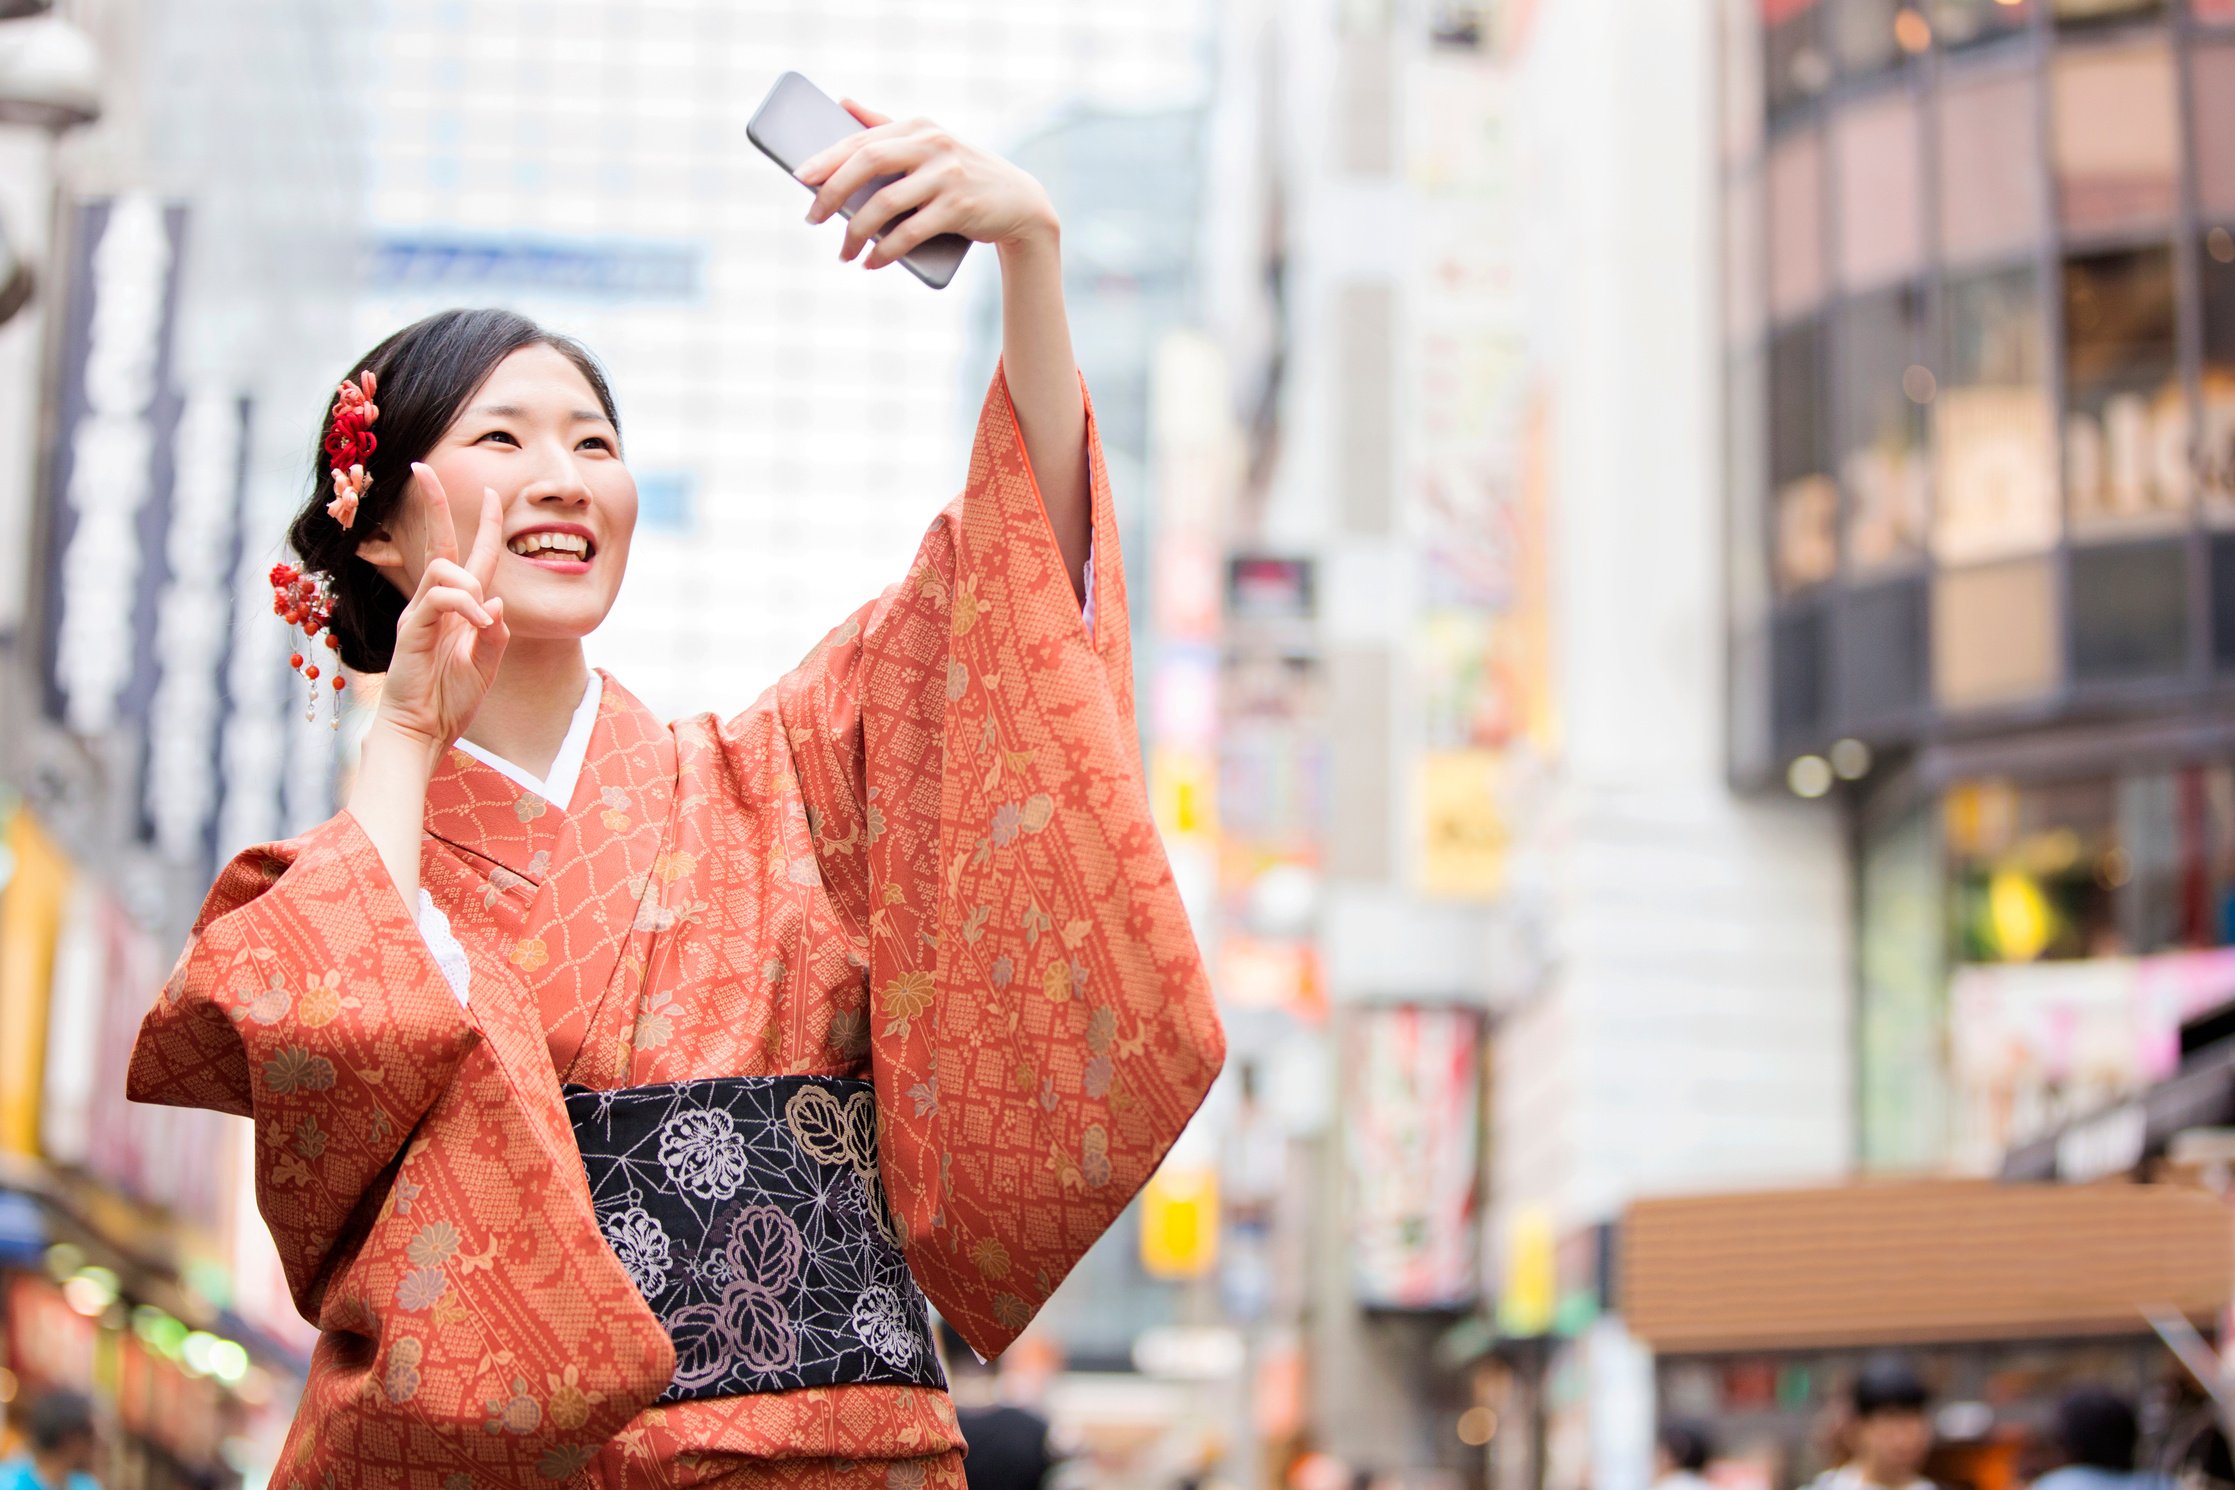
(514, 411)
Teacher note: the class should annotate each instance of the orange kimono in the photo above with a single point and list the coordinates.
(913, 893)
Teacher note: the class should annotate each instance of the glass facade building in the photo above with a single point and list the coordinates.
(1980, 331)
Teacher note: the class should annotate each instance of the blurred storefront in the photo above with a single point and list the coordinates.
(1760, 1307)
(1981, 364)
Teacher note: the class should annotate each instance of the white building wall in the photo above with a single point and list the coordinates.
(1698, 1007)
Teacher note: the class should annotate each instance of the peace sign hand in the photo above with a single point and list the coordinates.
(451, 635)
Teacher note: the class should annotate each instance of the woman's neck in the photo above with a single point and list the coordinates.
(525, 714)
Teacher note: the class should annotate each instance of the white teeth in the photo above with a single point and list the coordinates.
(541, 545)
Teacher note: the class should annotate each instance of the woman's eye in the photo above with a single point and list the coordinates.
(498, 434)
(597, 442)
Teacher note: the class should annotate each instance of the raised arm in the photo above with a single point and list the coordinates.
(954, 187)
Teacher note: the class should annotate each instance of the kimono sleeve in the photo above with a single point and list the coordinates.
(1041, 1027)
(307, 1001)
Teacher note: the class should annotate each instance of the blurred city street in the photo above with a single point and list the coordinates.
(1682, 587)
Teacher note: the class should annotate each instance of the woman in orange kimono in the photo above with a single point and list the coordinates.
(621, 1088)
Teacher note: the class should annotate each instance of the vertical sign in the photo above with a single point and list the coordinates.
(111, 472)
(194, 618)
(1414, 1137)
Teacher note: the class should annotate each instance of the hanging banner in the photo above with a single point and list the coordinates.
(1415, 1144)
(110, 489)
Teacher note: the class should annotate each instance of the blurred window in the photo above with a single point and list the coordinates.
(1994, 634)
(2116, 137)
(2125, 423)
(2085, 12)
(1990, 168)
(1865, 34)
(1994, 428)
(2223, 601)
(2212, 93)
(2215, 445)
(1795, 188)
(1805, 538)
(2129, 611)
(2033, 868)
(1879, 179)
(1962, 23)
(1879, 387)
(2132, 864)
(1798, 668)
(1880, 649)
(1794, 67)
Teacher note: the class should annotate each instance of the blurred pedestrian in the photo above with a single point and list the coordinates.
(1681, 1455)
(1888, 1431)
(1009, 1448)
(2098, 1433)
(58, 1431)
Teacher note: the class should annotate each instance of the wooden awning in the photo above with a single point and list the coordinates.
(1915, 1262)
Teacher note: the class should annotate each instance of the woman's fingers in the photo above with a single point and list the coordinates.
(933, 220)
(867, 115)
(447, 600)
(489, 642)
(442, 532)
(911, 190)
(883, 152)
(488, 539)
(448, 572)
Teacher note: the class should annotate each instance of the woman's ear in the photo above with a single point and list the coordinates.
(380, 549)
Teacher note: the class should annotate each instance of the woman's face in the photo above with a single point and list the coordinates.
(534, 434)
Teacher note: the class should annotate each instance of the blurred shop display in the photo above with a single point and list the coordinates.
(1413, 1116)
(1761, 1308)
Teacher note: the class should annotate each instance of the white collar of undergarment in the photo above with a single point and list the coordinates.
(557, 787)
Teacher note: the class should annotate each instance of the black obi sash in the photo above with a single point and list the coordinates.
(749, 1213)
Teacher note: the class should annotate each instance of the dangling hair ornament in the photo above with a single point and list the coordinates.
(350, 445)
(307, 601)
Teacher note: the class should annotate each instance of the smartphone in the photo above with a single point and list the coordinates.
(798, 120)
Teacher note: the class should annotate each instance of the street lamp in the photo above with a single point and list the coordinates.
(50, 74)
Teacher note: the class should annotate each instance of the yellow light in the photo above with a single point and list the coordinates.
(1810, 776)
(1179, 1222)
(2019, 915)
(1912, 30)
(1477, 1426)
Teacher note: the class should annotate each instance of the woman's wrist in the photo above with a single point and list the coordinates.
(394, 752)
(1040, 236)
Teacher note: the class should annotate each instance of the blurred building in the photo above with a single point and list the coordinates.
(1975, 348)
(1980, 338)
(187, 239)
(1561, 964)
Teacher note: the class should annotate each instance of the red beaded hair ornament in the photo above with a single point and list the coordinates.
(306, 601)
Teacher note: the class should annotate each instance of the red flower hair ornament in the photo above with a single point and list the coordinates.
(350, 444)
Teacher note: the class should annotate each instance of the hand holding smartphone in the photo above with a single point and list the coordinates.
(798, 121)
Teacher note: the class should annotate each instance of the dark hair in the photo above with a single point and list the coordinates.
(1888, 1384)
(2097, 1427)
(1687, 1445)
(57, 1418)
(423, 376)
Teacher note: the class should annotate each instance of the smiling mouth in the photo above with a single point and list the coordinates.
(561, 546)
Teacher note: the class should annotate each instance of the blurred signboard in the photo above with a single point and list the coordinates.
(110, 488)
(1414, 1125)
(2038, 1045)
(466, 265)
